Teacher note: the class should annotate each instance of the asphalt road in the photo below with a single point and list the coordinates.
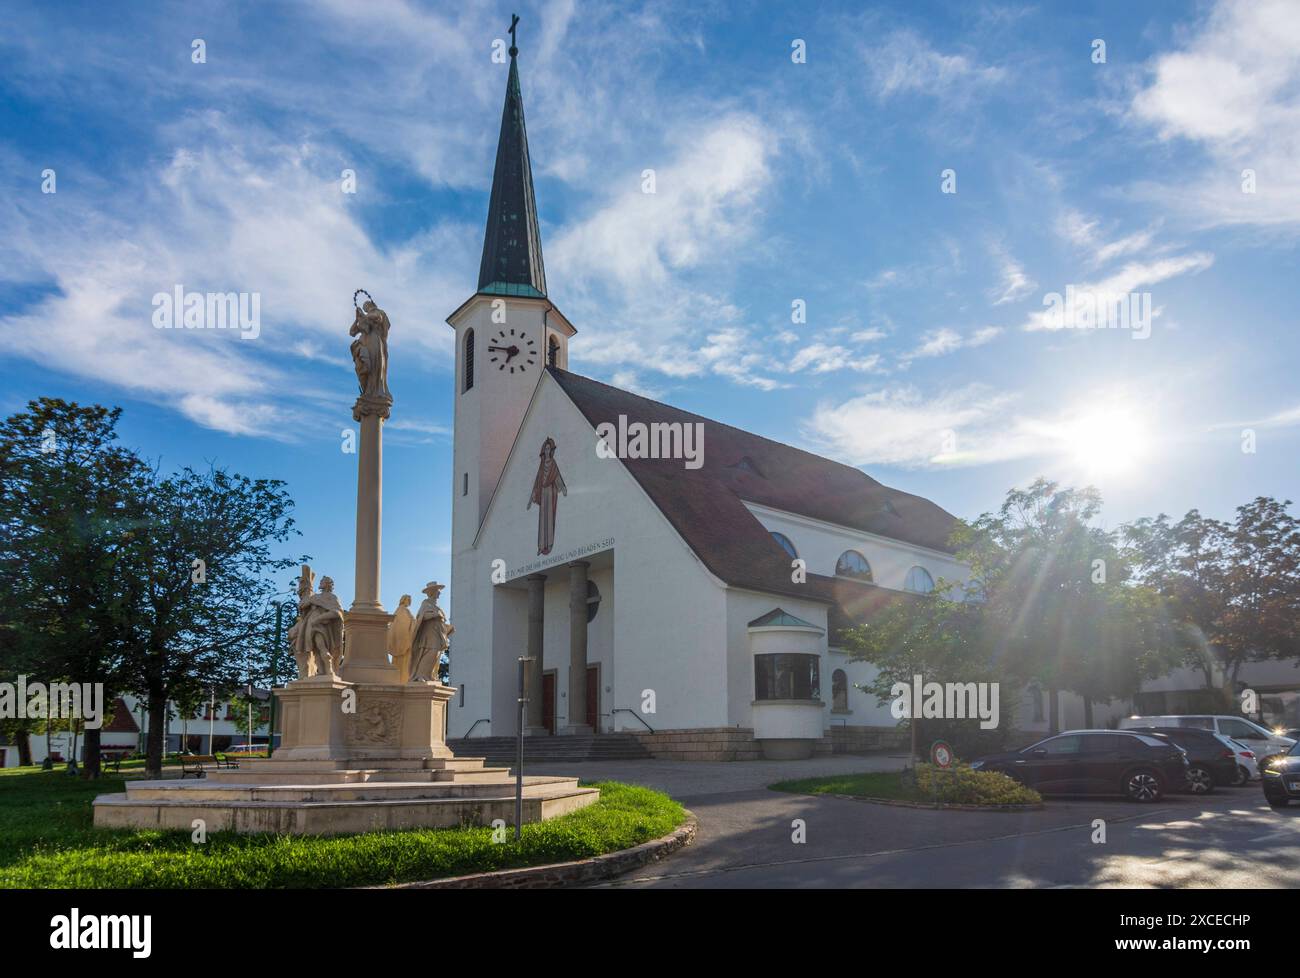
(747, 837)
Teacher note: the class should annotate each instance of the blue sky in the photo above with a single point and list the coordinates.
(922, 357)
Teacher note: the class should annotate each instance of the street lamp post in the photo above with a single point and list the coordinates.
(519, 748)
(275, 667)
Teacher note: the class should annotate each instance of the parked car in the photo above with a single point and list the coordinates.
(245, 749)
(1281, 779)
(1210, 760)
(1259, 739)
(1096, 762)
(1247, 762)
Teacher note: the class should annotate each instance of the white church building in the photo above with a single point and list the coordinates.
(697, 597)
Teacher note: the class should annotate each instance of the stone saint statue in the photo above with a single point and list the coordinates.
(317, 636)
(431, 633)
(370, 350)
(548, 486)
(401, 632)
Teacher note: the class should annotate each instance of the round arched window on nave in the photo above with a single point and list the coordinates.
(853, 564)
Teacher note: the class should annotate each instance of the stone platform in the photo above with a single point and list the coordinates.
(355, 757)
(332, 798)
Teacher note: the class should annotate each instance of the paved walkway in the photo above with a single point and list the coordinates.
(686, 780)
(745, 839)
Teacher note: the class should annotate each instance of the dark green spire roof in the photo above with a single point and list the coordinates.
(512, 244)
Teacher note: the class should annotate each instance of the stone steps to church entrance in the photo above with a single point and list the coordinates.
(599, 747)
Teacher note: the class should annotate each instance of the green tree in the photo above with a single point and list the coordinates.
(70, 504)
(202, 585)
(1233, 589)
(1062, 606)
(940, 636)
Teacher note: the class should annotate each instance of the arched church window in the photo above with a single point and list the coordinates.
(785, 543)
(919, 581)
(1035, 696)
(469, 359)
(593, 600)
(839, 691)
(853, 564)
(553, 352)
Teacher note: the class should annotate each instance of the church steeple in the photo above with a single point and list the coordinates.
(512, 244)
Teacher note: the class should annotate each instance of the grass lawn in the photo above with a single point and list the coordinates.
(47, 840)
(960, 786)
(887, 784)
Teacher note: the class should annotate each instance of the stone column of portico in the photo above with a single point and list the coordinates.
(365, 657)
(579, 722)
(534, 725)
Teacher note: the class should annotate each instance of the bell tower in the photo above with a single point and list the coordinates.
(507, 333)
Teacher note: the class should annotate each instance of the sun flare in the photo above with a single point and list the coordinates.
(1107, 442)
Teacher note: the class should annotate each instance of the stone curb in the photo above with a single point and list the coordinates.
(927, 806)
(594, 869)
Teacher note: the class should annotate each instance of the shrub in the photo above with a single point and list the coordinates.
(966, 738)
(959, 785)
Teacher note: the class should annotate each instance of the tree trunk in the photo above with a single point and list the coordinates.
(24, 741)
(90, 769)
(1054, 711)
(154, 741)
(1087, 712)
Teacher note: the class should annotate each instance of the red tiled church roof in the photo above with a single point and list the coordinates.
(705, 505)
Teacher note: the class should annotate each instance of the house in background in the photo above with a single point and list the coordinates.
(213, 727)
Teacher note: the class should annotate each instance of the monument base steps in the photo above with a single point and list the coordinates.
(355, 757)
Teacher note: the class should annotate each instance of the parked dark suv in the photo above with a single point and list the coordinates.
(1281, 778)
(1096, 762)
(1210, 761)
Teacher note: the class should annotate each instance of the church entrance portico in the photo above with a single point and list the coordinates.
(561, 619)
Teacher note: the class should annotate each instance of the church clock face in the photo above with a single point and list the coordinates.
(512, 352)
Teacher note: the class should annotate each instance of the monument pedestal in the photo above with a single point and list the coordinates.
(365, 647)
(327, 718)
(354, 757)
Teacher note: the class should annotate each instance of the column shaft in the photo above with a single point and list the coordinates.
(370, 480)
(536, 633)
(578, 647)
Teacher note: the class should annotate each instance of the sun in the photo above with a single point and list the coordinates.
(1110, 441)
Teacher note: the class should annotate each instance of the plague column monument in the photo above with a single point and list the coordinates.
(362, 744)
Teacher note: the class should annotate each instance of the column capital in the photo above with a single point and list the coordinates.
(381, 405)
(535, 577)
(579, 563)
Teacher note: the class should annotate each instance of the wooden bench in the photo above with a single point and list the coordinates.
(193, 764)
(226, 761)
(112, 762)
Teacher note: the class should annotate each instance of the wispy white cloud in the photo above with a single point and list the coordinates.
(1231, 87)
(274, 223)
(1014, 284)
(1286, 418)
(940, 342)
(904, 62)
(820, 358)
(898, 426)
(1136, 276)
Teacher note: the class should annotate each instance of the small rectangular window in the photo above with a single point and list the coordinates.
(464, 485)
(462, 695)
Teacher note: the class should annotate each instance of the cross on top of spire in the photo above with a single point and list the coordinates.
(514, 22)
